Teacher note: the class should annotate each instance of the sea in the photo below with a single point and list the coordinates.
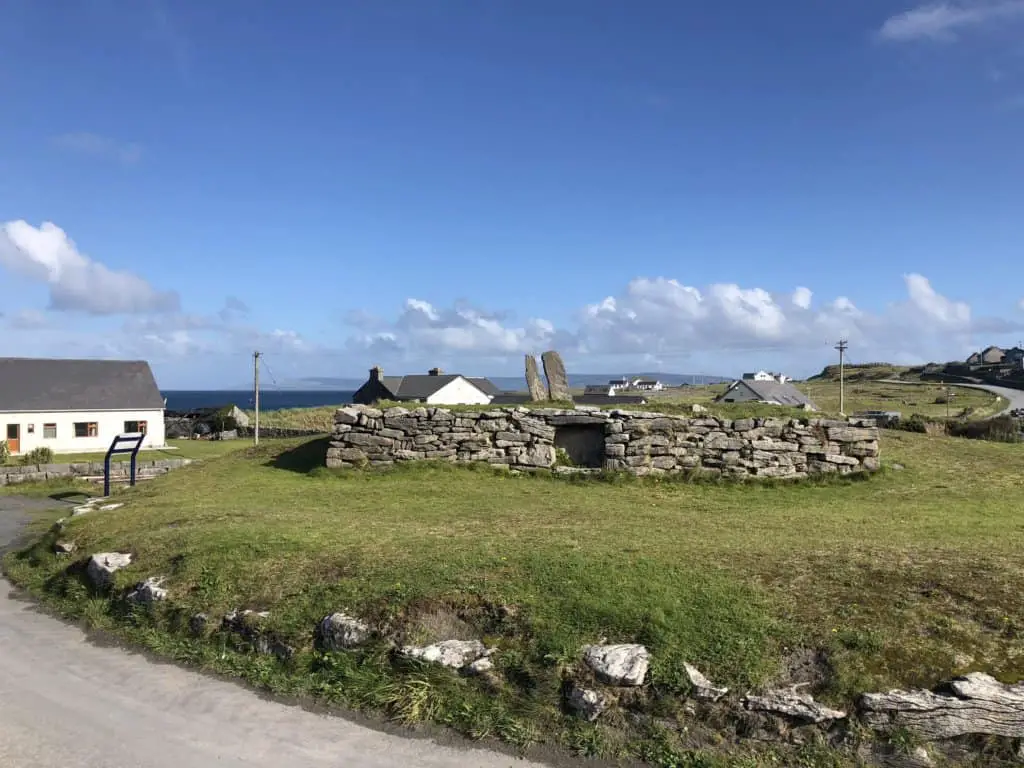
(270, 399)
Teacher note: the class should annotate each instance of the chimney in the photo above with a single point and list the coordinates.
(376, 372)
(435, 372)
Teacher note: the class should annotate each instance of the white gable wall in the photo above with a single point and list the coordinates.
(459, 392)
(108, 424)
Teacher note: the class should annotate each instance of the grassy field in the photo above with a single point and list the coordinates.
(176, 449)
(899, 580)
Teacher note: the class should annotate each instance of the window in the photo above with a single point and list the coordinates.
(135, 426)
(49, 431)
(31, 429)
(86, 429)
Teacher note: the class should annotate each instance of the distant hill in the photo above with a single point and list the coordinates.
(867, 372)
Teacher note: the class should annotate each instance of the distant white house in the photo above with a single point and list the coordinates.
(648, 385)
(781, 378)
(77, 406)
(434, 388)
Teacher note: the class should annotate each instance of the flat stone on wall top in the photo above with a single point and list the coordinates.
(640, 442)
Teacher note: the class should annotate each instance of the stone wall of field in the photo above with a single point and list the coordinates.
(637, 442)
(30, 473)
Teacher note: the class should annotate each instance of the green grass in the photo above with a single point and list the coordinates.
(899, 580)
(176, 449)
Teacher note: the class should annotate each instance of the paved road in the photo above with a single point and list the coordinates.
(1013, 397)
(67, 702)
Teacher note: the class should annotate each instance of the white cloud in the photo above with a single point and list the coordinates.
(76, 282)
(95, 145)
(423, 329)
(933, 306)
(802, 297)
(942, 21)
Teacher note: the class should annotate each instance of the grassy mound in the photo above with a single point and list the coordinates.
(900, 580)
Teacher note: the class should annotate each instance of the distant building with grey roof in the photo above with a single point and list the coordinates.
(771, 392)
(433, 388)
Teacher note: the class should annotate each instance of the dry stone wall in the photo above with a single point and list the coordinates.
(637, 442)
(34, 473)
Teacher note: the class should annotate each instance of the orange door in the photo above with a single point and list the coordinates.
(14, 438)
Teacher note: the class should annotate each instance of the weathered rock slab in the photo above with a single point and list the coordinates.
(703, 689)
(587, 703)
(789, 702)
(534, 385)
(554, 372)
(973, 704)
(624, 664)
(454, 654)
(149, 591)
(103, 565)
(339, 632)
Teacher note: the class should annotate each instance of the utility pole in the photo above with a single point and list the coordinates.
(256, 395)
(841, 346)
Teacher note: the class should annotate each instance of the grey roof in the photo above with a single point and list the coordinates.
(773, 392)
(39, 384)
(488, 386)
(421, 386)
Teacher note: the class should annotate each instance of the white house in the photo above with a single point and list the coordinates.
(648, 385)
(435, 388)
(781, 378)
(77, 406)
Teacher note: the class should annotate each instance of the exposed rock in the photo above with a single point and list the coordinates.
(789, 702)
(703, 689)
(103, 565)
(975, 703)
(554, 372)
(698, 408)
(241, 417)
(586, 703)
(480, 666)
(618, 664)
(149, 591)
(346, 416)
(339, 631)
(533, 383)
(246, 624)
(455, 654)
(61, 547)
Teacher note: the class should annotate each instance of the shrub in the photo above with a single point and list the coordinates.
(1005, 429)
(40, 455)
(5, 452)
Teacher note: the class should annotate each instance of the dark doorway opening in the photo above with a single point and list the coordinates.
(584, 444)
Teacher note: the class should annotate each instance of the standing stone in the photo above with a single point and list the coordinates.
(554, 371)
(537, 391)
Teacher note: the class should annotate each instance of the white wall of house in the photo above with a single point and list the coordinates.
(32, 426)
(459, 392)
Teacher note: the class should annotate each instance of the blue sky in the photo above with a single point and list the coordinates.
(643, 186)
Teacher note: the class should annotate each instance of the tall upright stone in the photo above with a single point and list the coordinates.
(533, 383)
(554, 371)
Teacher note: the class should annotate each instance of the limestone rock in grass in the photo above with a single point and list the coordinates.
(618, 664)
(246, 624)
(533, 383)
(587, 703)
(554, 371)
(698, 408)
(454, 654)
(149, 591)
(339, 631)
(703, 689)
(480, 666)
(789, 702)
(103, 565)
(974, 704)
(61, 547)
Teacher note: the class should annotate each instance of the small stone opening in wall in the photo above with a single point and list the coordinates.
(583, 444)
